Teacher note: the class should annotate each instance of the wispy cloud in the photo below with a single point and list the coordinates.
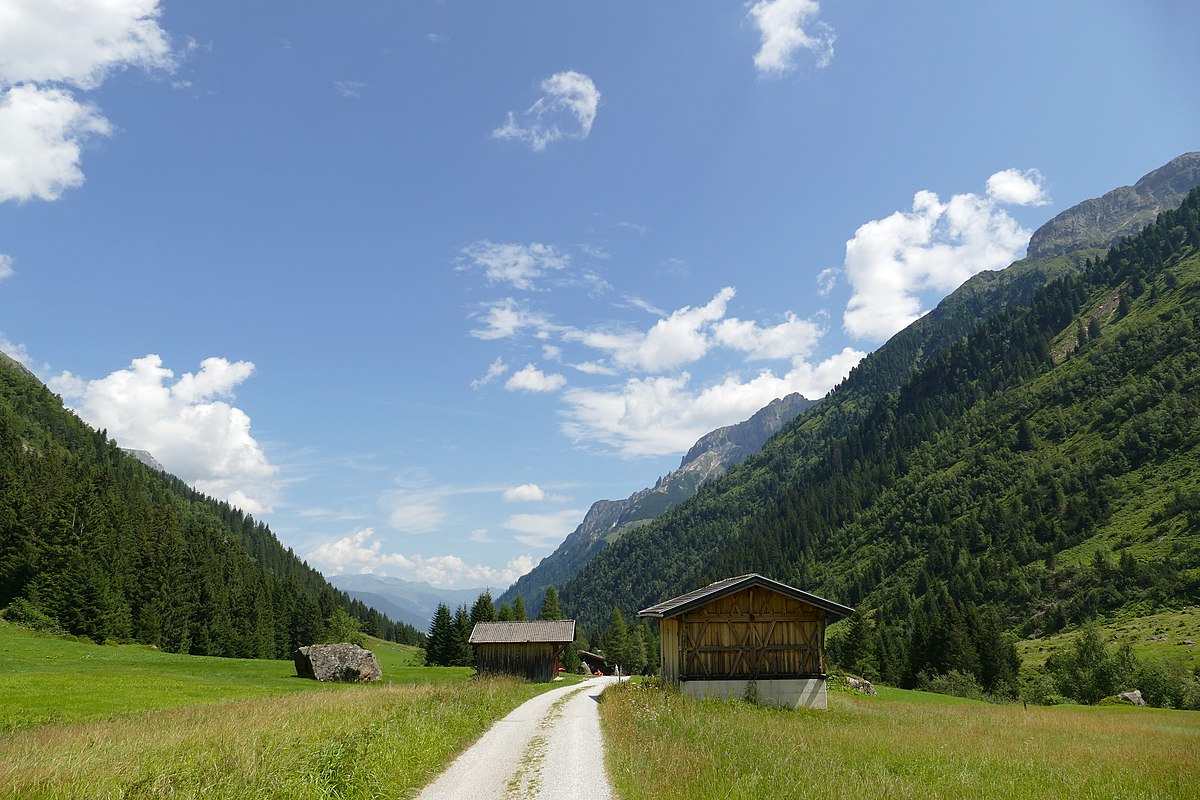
(519, 265)
(566, 110)
(349, 88)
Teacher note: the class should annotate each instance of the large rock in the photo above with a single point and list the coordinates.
(1134, 697)
(861, 685)
(344, 663)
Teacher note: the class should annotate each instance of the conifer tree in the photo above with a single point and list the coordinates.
(484, 609)
(439, 646)
(463, 655)
(551, 607)
(518, 609)
(616, 639)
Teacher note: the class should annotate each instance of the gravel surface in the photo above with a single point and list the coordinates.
(548, 748)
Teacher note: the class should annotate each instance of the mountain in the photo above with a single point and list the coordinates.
(1027, 457)
(1105, 220)
(413, 602)
(95, 543)
(608, 520)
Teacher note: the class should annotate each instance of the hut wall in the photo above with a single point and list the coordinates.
(668, 636)
(751, 634)
(534, 661)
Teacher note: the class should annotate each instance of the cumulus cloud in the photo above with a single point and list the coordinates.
(1018, 187)
(42, 133)
(786, 27)
(46, 48)
(360, 552)
(543, 530)
(525, 493)
(680, 338)
(934, 247)
(532, 379)
(566, 110)
(187, 423)
(661, 415)
(516, 264)
(789, 339)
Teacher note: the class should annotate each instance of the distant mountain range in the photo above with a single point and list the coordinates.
(608, 520)
(413, 602)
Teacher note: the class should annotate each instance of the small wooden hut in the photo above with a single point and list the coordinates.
(750, 637)
(527, 649)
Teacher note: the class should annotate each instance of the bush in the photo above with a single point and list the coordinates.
(958, 684)
(27, 615)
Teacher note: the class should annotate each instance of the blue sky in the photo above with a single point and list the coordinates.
(417, 282)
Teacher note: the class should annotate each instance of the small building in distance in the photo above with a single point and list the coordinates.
(594, 662)
(526, 649)
(750, 637)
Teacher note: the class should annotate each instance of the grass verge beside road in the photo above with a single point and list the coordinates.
(899, 745)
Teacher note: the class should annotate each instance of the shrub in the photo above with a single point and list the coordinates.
(27, 615)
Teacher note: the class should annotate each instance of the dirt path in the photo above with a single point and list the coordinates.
(548, 748)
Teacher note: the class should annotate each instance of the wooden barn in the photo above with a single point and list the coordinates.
(749, 637)
(527, 649)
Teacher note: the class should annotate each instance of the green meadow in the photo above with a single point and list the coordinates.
(81, 720)
(900, 744)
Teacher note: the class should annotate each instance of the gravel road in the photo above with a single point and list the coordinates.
(548, 748)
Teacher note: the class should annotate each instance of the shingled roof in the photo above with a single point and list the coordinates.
(558, 631)
(686, 602)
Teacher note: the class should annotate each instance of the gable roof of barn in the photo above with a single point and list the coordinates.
(555, 631)
(699, 597)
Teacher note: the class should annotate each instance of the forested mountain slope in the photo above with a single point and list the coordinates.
(1044, 466)
(96, 543)
(608, 520)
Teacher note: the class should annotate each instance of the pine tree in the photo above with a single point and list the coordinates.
(551, 607)
(616, 639)
(463, 655)
(484, 609)
(439, 647)
(518, 609)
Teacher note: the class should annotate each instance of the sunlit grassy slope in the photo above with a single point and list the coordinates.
(1162, 636)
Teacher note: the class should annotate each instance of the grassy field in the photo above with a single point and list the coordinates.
(81, 720)
(898, 745)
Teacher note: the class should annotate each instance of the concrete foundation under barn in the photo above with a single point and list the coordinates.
(780, 692)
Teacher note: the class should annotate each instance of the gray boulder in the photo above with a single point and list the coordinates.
(861, 685)
(344, 663)
(1134, 697)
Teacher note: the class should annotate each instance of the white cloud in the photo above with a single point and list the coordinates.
(532, 379)
(507, 318)
(566, 110)
(544, 530)
(826, 280)
(349, 89)
(413, 511)
(662, 415)
(516, 264)
(186, 423)
(360, 552)
(497, 368)
(789, 339)
(1018, 187)
(679, 339)
(45, 46)
(785, 29)
(934, 247)
(79, 42)
(42, 132)
(525, 493)
(6, 266)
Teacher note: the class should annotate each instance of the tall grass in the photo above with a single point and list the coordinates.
(347, 742)
(662, 746)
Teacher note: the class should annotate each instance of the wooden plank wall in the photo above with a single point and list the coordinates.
(669, 655)
(754, 633)
(533, 661)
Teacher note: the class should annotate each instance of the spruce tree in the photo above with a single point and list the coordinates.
(616, 639)
(439, 646)
(484, 609)
(551, 607)
(463, 654)
(518, 609)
